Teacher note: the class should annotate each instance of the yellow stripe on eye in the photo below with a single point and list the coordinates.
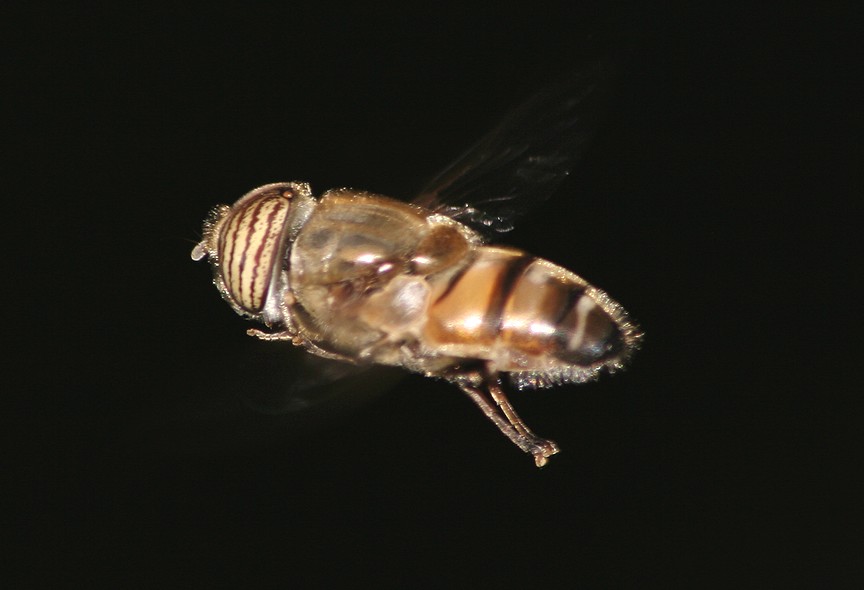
(251, 239)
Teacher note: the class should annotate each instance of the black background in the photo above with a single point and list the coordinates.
(144, 445)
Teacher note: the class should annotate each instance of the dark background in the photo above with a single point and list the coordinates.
(147, 446)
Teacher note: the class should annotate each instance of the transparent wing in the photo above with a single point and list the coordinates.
(281, 393)
(288, 380)
(526, 157)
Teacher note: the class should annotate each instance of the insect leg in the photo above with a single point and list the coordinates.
(485, 390)
(272, 336)
(547, 447)
(287, 336)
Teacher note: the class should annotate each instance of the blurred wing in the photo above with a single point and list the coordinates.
(282, 393)
(291, 380)
(521, 162)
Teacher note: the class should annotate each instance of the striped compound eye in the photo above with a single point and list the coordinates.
(247, 244)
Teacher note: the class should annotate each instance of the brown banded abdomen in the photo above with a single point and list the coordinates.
(507, 305)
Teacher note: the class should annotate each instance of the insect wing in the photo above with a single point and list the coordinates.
(521, 162)
(294, 381)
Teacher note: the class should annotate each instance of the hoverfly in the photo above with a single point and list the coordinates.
(362, 278)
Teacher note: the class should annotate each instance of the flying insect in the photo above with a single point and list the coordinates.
(362, 278)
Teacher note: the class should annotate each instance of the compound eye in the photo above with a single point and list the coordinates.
(251, 245)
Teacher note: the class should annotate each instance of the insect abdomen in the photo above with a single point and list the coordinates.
(524, 314)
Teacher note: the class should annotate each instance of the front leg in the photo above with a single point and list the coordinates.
(283, 336)
(297, 340)
(484, 388)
